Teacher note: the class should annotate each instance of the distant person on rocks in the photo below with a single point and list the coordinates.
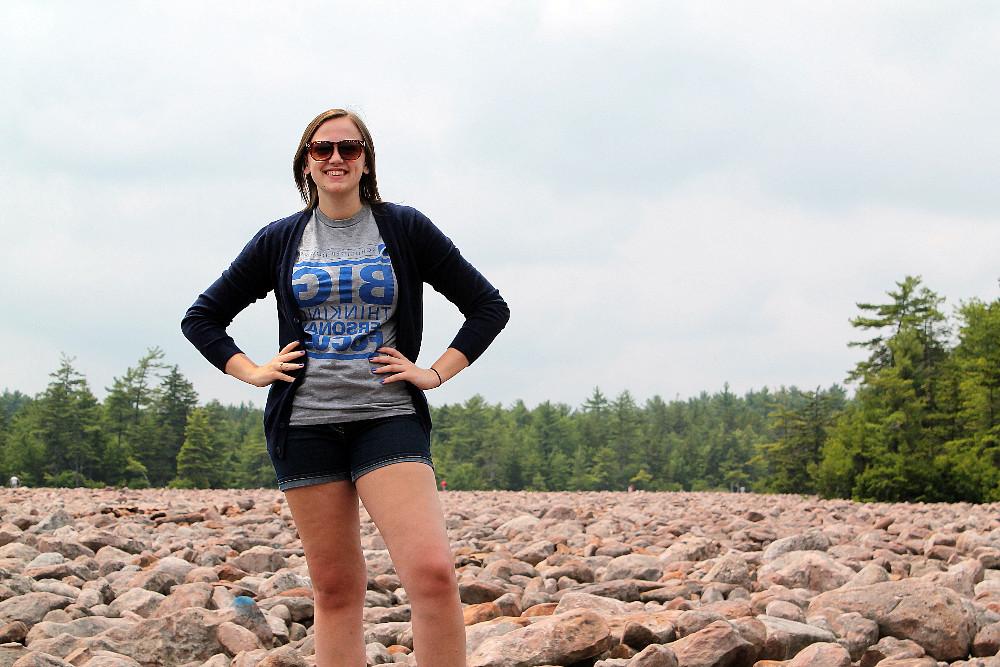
(14, 482)
(346, 417)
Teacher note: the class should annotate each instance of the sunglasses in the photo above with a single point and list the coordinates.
(349, 149)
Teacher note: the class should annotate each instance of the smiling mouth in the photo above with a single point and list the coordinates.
(335, 172)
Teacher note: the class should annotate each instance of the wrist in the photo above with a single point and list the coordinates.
(439, 378)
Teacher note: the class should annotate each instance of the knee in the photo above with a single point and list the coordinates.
(335, 586)
(432, 578)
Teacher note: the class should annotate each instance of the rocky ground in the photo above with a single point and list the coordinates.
(112, 578)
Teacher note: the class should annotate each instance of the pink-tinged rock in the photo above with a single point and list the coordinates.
(386, 633)
(108, 659)
(235, 638)
(626, 590)
(655, 655)
(259, 559)
(856, 632)
(87, 626)
(183, 596)
(555, 640)
(694, 620)
(821, 654)
(729, 609)
(993, 661)
(138, 601)
(987, 641)
(786, 610)
(280, 582)
(602, 605)
(34, 659)
(30, 608)
(786, 638)
(869, 574)
(519, 524)
(933, 616)
(925, 661)
(187, 636)
(509, 604)
(811, 541)
(814, 570)
(729, 569)
(480, 632)
(690, 549)
(633, 566)
(201, 574)
(753, 631)
(153, 580)
(285, 656)
(639, 629)
(9, 533)
(67, 547)
(961, 577)
(561, 565)
(535, 552)
(478, 613)
(476, 592)
(718, 645)
(15, 631)
(891, 648)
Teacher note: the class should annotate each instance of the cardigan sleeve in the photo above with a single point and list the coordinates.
(247, 279)
(442, 267)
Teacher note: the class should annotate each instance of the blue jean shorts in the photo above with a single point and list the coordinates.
(320, 453)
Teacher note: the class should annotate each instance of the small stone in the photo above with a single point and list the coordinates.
(821, 654)
(655, 655)
(235, 638)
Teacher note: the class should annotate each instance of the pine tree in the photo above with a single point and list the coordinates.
(56, 439)
(169, 409)
(196, 462)
(890, 440)
(129, 422)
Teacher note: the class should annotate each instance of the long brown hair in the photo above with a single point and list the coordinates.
(368, 187)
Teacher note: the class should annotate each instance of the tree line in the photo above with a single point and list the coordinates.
(922, 425)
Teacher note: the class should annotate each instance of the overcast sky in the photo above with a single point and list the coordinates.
(670, 196)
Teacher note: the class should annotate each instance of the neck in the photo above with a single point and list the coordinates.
(339, 208)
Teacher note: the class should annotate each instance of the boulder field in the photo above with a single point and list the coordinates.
(120, 577)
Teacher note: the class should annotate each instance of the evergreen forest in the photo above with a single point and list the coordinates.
(923, 424)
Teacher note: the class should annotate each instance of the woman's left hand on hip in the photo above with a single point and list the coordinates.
(402, 369)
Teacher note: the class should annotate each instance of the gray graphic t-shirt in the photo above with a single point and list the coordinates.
(346, 292)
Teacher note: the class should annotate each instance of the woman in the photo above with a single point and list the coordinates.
(346, 417)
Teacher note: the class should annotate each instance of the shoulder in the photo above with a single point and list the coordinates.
(273, 237)
(405, 219)
(398, 213)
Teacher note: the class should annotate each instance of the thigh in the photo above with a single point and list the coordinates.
(326, 517)
(402, 500)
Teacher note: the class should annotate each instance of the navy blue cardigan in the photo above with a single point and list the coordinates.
(420, 253)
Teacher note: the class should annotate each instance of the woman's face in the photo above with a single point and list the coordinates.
(337, 177)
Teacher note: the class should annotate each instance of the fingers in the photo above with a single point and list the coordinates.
(288, 348)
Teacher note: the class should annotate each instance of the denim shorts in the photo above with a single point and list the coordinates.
(320, 453)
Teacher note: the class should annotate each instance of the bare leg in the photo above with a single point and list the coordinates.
(326, 516)
(403, 502)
